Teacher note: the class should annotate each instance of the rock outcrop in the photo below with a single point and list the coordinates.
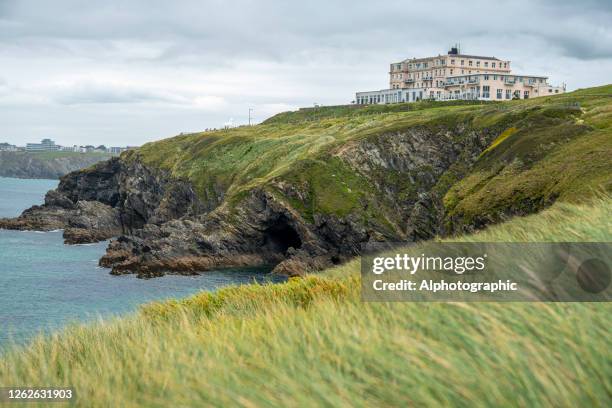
(106, 200)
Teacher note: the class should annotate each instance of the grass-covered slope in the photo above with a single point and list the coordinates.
(312, 342)
(540, 159)
(541, 150)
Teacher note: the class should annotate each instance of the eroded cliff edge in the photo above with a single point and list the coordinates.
(303, 197)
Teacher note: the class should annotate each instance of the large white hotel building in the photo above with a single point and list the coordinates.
(457, 76)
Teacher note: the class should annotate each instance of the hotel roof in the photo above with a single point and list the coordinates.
(473, 56)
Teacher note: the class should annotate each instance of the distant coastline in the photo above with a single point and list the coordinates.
(46, 165)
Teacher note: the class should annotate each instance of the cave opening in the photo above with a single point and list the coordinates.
(280, 236)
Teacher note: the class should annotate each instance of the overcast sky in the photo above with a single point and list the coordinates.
(127, 72)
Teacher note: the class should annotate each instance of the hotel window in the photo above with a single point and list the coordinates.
(477, 63)
(526, 95)
(499, 93)
(517, 94)
(495, 77)
(492, 65)
(508, 94)
(486, 77)
(470, 63)
(451, 72)
(462, 62)
(486, 90)
(486, 64)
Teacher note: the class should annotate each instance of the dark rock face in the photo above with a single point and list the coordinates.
(162, 226)
(109, 199)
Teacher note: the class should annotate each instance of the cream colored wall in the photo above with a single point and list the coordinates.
(535, 90)
(440, 67)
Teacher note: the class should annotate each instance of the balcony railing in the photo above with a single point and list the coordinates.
(408, 81)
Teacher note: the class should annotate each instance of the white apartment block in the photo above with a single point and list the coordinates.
(457, 76)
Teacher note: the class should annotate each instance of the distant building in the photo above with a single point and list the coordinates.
(43, 146)
(6, 147)
(117, 149)
(457, 76)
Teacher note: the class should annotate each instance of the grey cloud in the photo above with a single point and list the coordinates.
(88, 92)
(222, 32)
(193, 64)
(584, 48)
(91, 93)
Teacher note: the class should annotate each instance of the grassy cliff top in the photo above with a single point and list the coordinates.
(560, 145)
(244, 157)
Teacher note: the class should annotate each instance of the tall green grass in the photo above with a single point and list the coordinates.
(312, 342)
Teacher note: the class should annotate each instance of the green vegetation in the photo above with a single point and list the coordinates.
(541, 150)
(558, 150)
(326, 112)
(312, 342)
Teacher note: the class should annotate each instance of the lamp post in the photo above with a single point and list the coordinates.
(250, 110)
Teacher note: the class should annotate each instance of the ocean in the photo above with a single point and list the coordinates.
(45, 284)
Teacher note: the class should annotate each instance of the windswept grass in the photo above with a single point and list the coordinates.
(312, 342)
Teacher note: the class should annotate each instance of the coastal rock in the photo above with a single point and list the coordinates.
(162, 226)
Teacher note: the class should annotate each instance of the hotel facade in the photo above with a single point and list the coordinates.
(457, 76)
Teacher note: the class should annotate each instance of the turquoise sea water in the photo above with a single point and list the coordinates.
(45, 284)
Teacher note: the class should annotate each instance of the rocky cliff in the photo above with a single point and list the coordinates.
(45, 165)
(306, 195)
